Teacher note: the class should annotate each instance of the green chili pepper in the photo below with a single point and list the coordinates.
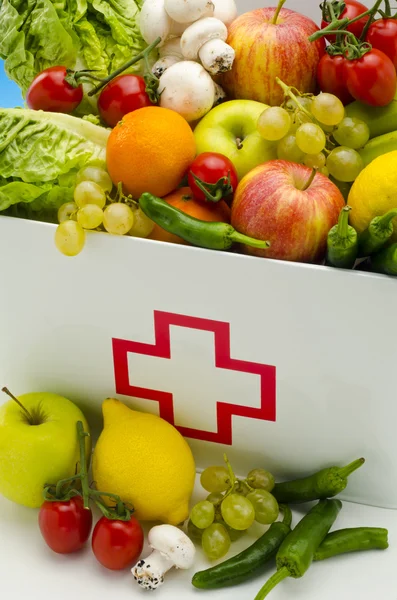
(297, 551)
(216, 236)
(327, 483)
(342, 243)
(377, 235)
(245, 565)
(385, 261)
(357, 539)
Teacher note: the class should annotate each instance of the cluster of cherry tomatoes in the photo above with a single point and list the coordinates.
(371, 77)
(66, 527)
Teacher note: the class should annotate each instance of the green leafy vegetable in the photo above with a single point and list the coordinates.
(82, 34)
(40, 155)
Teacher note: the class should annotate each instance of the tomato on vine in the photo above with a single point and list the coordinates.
(65, 525)
(371, 79)
(122, 95)
(346, 9)
(330, 77)
(382, 35)
(117, 544)
(55, 90)
(212, 176)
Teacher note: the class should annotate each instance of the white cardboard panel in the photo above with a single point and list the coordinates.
(329, 334)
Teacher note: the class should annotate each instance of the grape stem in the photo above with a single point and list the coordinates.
(288, 92)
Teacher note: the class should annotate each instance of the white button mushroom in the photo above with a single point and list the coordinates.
(206, 40)
(220, 94)
(170, 54)
(188, 11)
(171, 548)
(225, 11)
(154, 21)
(188, 89)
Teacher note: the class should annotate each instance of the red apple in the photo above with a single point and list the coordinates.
(281, 202)
(266, 49)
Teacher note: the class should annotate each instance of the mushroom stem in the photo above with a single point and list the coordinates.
(216, 56)
(163, 64)
(149, 572)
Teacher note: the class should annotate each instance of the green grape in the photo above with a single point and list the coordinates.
(304, 101)
(274, 123)
(67, 211)
(69, 238)
(90, 216)
(89, 192)
(324, 171)
(345, 164)
(310, 138)
(261, 479)
(233, 533)
(327, 128)
(97, 175)
(344, 187)
(328, 109)
(118, 218)
(216, 541)
(215, 479)
(265, 506)
(242, 488)
(238, 512)
(352, 133)
(143, 226)
(215, 497)
(315, 161)
(194, 532)
(203, 514)
(287, 149)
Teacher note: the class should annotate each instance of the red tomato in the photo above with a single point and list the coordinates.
(65, 526)
(382, 35)
(122, 95)
(213, 170)
(352, 10)
(331, 79)
(371, 79)
(117, 544)
(50, 91)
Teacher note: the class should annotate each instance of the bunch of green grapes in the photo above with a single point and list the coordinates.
(314, 131)
(231, 508)
(93, 208)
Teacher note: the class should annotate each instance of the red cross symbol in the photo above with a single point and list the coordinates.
(162, 349)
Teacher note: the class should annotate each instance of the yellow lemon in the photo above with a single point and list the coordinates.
(374, 192)
(146, 461)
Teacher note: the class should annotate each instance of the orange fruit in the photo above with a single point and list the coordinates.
(183, 200)
(150, 150)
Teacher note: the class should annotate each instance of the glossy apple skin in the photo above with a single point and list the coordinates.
(221, 128)
(265, 51)
(270, 204)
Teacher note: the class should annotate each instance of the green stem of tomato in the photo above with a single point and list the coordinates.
(83, 464)
(142, 55)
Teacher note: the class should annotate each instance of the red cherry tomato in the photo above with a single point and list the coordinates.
(50, 91)
(371, 79)
(331, 79)
(382, 35)
(117, 544)
(65, 526)
(122, 95)
(352, 10)
(216, 173)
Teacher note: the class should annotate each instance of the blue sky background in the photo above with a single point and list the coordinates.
(10, 94)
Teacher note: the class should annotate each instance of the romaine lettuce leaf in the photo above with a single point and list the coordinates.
(40, 155)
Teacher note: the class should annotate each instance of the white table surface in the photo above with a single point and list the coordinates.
(28, 569)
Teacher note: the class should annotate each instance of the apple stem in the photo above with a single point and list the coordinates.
(278, 9)
(25, 410)
(239, 144)
(83, 476)
(310, 180)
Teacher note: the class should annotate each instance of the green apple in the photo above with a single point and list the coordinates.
(38, 445)
(231, 130)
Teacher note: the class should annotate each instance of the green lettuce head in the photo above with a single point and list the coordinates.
(40, 156)
(79, 34)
